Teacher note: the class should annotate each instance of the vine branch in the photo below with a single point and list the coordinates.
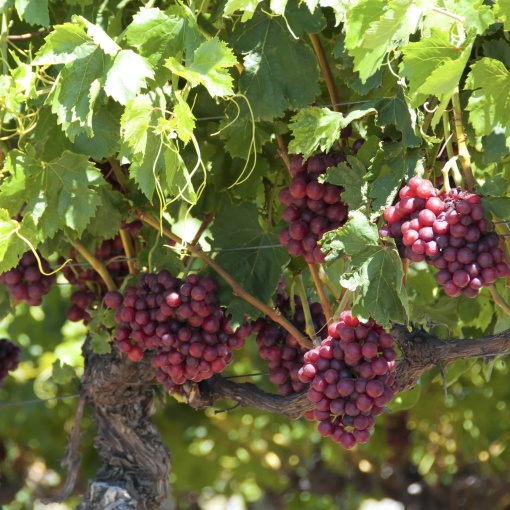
(323, 298)
(464, 156)
(239, 291)
(96, 264)
(421, 351)
(326, 70)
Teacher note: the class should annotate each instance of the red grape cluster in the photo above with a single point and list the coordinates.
(26, 282)
(449, 231)
(91, 286)
(180, 322)
(352, 378)
(311, 208)
(9, 358)
(281, 350)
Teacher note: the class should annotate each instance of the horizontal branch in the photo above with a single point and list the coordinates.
(421, 351)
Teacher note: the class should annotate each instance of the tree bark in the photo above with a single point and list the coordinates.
(135, 462)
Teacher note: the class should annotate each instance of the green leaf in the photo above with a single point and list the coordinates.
(434, 65)
(100, 342)
(208, 68)
(498, 49)
(495, 146)
(127, 63)
(275, 80)
(502, 12)
(256, 268)
(375, 27)
(314, 128)
(146, 170)
(351, 175)
(182, 122)
(75, 94)
(374, 271)
(493, 186)
(57, 194)
(177, 178)
(65, 44)
(34, 12)
(109, 214)
(247, 6)
(135, 122)
(12, 247)
(499, 206)
(105, 140)
(490, 100)
(395, 110)
(62, 373)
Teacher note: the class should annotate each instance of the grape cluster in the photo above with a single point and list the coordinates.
(180, 323)
(26, 282)
(352, 378)
(311, 208)
(9, 358)
(91, 286)
(449, 231)
(281, 350)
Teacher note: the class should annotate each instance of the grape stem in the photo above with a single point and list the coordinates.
(128, 250)
(119, 174)
(328, 283)
(323, 298)
(464, 156)
(237, 290)
(310, 330)
(346, 299)
(498, 299)
(326, 70)
(98, 266)
(282, 151)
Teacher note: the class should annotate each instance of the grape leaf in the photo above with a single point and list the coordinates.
(374, 27)
(256, 268)
(434, 65)
(394, 110)
(145, 170)
(58, 194)
(314, 128)
(62, 373)
(502, 11)
(208, 68)
(490, 100)
(350, 175)
(12, 246)
(499, 50)
(34, 12)
(374, 271)
(100, 341)
(65, 44)
(247, 6)
(499, 206)
(275, 80)
(75, 94)
(494, 186)
(135, 122)
(127, 63)
(105, 140)
(109, 214)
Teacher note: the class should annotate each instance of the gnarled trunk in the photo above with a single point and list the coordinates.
(135, 462)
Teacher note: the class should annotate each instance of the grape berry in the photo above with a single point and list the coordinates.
(311, 208)
(281, 350)
(25, 282)
(352, 378)
(180, 323)
(449, 231)
(9, 358)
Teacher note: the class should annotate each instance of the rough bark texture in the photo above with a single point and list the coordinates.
(135, 462)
